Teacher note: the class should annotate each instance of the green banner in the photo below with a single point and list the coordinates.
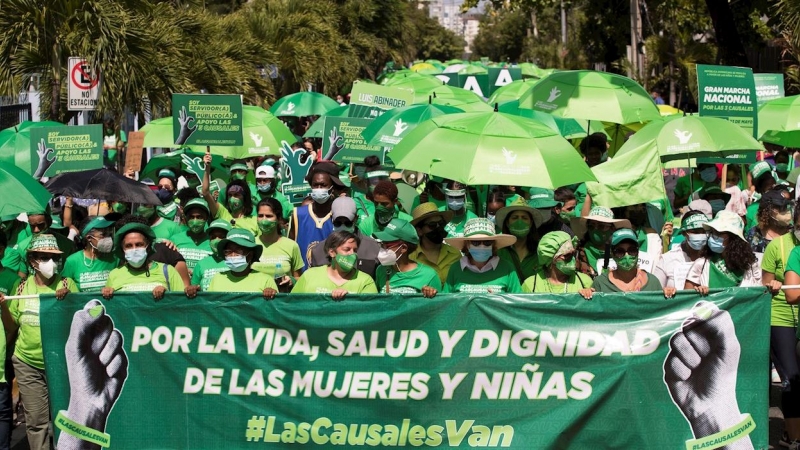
(56, 150)
(478, 84)
(369, 100)
(500, 77)
(626, 371)
(769, 86)
(342, 140)
(207, 119)
(730, 93)
(450, 79)
(294, 172)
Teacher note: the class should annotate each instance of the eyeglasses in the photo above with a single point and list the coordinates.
(435, 224)
(481, 243)
(342, 223)
(620, 252)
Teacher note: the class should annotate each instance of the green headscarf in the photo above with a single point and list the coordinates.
(553, 244)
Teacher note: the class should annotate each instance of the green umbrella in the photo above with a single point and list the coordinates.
(28, 194)
(531, 70)
(512, 91)
(682, 138)
(262, 133)
(174, 160)
(452, 96)
(316, 131)
(779, 121)
(568, 128)
(15, 143)
(302, 104)
(453, 61)
(413, 81)
(390, 127)
(491, 148)
(590, 95)
(473, 70)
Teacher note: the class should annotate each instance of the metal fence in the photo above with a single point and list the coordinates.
(11, 115)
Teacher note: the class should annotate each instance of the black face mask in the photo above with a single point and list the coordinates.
(164, 195)
(436, 236)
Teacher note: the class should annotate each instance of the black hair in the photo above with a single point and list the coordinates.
(274, 205)
(186, 194)
(496, 196)
(594, 140)
(372, 162)
(531, 239)
(563, 195)
(738, 254)
(338, 238)
(247, 201)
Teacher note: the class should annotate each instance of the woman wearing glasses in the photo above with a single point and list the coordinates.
(731, 262)
(627, 276)
(557, 274)
(480, 270)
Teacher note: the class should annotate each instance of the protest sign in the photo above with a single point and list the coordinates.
(294, 172)
(500, 77)
(56, 150)
(730, 93)
(769, 86)
(369, 100)
(342, 140)
(133, 154)
(520, 372)
(207, 119)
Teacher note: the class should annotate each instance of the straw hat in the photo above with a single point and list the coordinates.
(44, 243)
(426, 210)
(598, 214)
(519, 205)
(481, 229)
(727, 221)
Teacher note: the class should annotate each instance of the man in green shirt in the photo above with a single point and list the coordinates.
(193, 243)
(89, 268)
(211, 265)
(384, 197)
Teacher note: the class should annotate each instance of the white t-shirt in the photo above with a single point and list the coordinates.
(673, 267)
(698, 274)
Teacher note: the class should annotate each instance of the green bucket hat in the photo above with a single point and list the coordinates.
(398, 230)
(130, 228)
(98, 222)
(243, 238)
(542, 198)
(56, 223)
(220, 224)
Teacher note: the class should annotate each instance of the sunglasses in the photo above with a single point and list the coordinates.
(342, 222)
(567, 256)
(435, 224)
(481, 243)
(620, 252)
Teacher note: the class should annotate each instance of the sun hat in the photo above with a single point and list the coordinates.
(694, 222)
(265, 172)
(727, 221)
(518, 205)
(197, 203)
(130, 228)
(542, 198)
(220, 224)
(703, 206)
(714, 190)
(623, 234)
(44, 243)
(397, 230)
(554, 244)
(243, 238)
(481, 229)
(598, 214)
(760, 168)
(426, 210)
(96, 223)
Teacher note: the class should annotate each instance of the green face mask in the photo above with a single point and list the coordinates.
(235, 204)
(565, 217)
(119, 208)
(238, 176)
(383, 215)
(598, 237)
(567, 268)
(519, 228)
(346, 262)
(214, 246)
(196, 226)
(145, 211)
(267, 226)
(627, 262)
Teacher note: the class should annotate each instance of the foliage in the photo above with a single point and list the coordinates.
(502, 35)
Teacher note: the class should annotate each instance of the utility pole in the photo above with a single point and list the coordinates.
(634, 60)
(563, 24)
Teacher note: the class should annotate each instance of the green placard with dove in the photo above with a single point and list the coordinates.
(207, 119)
(342, 140)
(56, 150)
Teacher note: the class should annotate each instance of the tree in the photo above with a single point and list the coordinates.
(501, 36)
(429, 39)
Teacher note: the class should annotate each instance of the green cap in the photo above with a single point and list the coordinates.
(398, 230)
(56, 224)
(760, 168)
(243, 238)
(129, 228)
(782, 167)
(239, 166)
(542, 198)
(98, 222)
(197, 203)
(694, 222)
(623, 234)
(220, 224)
(166, 173)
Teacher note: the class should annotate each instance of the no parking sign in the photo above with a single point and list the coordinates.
(84, 85)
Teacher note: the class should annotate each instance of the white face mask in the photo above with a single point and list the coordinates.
(387, 257)
(47, 268)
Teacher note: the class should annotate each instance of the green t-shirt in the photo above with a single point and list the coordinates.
(252, 282)
(168, 211)
(249, 223)
(125, 280)
(502, 280)
(455, 228)
(410, 282)
(8, 278)
(780, 317)
(12, 260)
(112, 141)
(192, 250)
(165, 229)
(683, 189)
(285, 203)
(752, 216)
(205, 270)
(525, 268)
(284, 251)
(776, 256)
(90, 275)
(538, 283)
(25, 313)
(368, 226)
(603, 284)
(316, 281)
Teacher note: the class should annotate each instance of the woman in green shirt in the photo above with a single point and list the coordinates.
(480, 270)
(281, 256)
(238, 208)
(340, 277)
(23, 314)
(398, 273)
(557, 274)
(627, 277)
(91, 266)
(520, 221)
(241, 250)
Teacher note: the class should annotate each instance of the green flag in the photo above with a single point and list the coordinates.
(628, 179)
